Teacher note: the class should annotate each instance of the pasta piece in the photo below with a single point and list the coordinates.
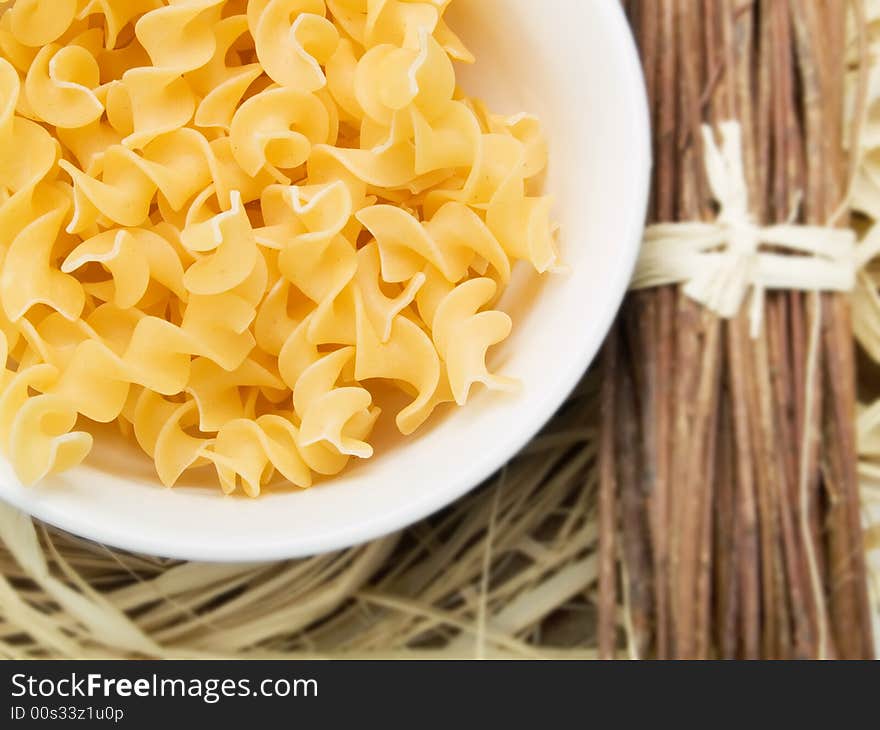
(275, 130)
(229, 238)
(117, 14)
(60, 86)
(134, 258)
(159, 429)
(292, 53)
(249, 451)
(28, 276)
(408, 356)
(325, 410)
(221, 86)
(36, 23)
(462, 336)
(217, 392)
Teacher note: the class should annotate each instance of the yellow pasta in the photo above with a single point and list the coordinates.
(228, 225)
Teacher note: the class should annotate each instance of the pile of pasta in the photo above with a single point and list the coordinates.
(224, 223)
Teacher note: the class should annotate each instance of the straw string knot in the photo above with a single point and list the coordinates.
(720, 262)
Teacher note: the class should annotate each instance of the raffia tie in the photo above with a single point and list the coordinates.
(720, 262)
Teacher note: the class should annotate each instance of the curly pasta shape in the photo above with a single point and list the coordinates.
(87, 144)
(281, 312)
(325, 410)
(221, 87)
(102, 406)
(230, 239)
(12, 50)
(248, 452)
(60, 86)
(178, 38)
(313, 214)
(39, 429)
(177, 165)
(523, 226)
(181, 35)
(29, 278)
(36, 23)
(497, 185)
(408, 356)
(275, 130)
(117, 14)
(133, 257)
(27, 157)
(421, 78)
(293, 51)
(159, 428)
(450, 242)
(379, 308)
(228, 226)
(227, 342)
(396, 22)
(463, 335)
(217, 393)
(314, 254)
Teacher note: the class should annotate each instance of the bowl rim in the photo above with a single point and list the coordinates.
(426, 503)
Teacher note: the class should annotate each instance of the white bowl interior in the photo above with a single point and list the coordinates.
(572, 63)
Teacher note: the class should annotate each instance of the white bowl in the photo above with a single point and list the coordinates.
(571, 62)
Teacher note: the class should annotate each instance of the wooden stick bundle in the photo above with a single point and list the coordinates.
(728, 486)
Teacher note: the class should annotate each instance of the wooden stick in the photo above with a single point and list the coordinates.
(607, 627)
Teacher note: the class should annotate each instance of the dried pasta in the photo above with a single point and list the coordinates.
(223, 223)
